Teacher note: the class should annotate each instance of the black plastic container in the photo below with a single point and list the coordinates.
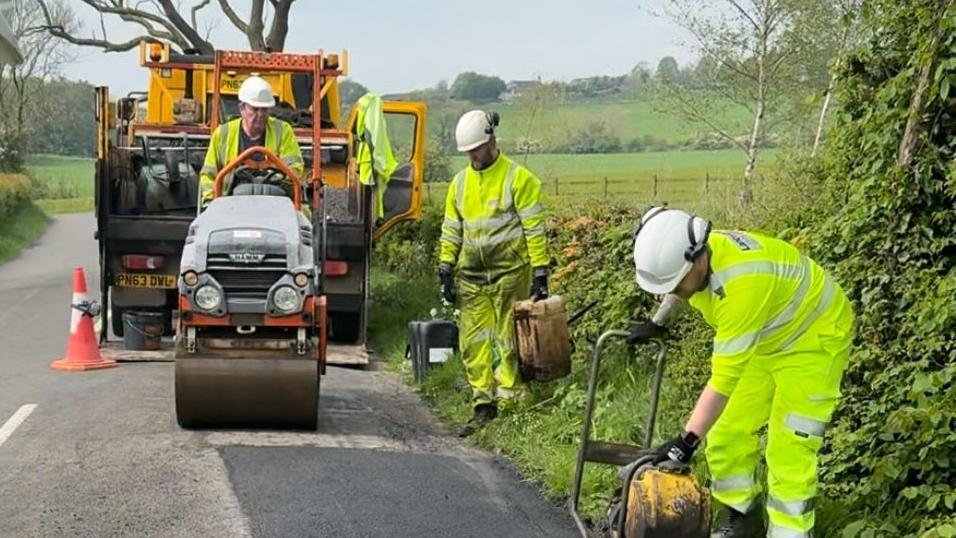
(430, 342)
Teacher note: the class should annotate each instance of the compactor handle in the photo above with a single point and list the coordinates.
(271, 161)
(589, 412)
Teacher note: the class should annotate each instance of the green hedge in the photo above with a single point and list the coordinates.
(14, 192)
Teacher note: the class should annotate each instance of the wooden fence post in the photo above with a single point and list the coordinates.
(605, 186)
(555, 185)
(655, 186)
(707, 182)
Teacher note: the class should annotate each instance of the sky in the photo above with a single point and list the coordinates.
(401, 45)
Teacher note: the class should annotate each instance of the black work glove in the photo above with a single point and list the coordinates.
(539, 284)
(641, 332)
(679, 449)
(447, 281)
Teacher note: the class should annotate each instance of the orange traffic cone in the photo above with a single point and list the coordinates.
(82, 353)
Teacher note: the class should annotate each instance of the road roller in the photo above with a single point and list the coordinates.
(652, 501)
(250, 344)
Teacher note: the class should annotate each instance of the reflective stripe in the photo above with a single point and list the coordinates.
(791, 508)
(737, 344)
(492, 223)
(745, 342)
(494, 240)
(762, 267)
(223, 133)
(507, 394)
(829, 289)
(535, 230)
(805, 425)
(507, 194)
(788, 313)
(209, 170)
(531, 211)
(743, 508)
(456, 239)
(460, 192)
(292, 160)
(451, 224)
(776, 531)
(740, 481)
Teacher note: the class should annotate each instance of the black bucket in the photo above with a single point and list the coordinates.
(142, 330)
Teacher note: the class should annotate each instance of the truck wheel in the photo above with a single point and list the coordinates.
(116, 320)
(346, 326)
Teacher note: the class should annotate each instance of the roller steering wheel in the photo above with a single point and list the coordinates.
(268, 164)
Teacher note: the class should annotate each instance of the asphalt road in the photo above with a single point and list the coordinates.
(99, 453)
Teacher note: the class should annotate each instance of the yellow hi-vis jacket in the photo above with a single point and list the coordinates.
(765, 300)
(494, 222)
(376, 161)
(224, 147)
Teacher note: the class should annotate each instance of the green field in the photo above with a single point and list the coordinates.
(61, 184)
(628, 119)
(65, 184)
(682, 176)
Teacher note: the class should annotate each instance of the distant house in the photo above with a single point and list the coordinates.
(515, 88)
(9, 54)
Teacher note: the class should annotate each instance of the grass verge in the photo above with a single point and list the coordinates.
(22, 229)
(66, 205)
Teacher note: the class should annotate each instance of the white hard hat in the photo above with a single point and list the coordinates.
(475, 128)
(665, 247)
(257, 92)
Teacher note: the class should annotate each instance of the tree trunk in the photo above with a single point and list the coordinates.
(823, 114)
(255, 28)
(847, 6)
(746, 196)
(914, 118)
(280, 26)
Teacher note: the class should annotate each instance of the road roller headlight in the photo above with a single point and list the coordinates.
(301, 280)
(285, 298)
(190, 278)
(208, 298)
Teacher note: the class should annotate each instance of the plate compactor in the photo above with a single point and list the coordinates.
(653, 501)
(251, 341)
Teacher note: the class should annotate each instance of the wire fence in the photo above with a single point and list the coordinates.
(655, 187)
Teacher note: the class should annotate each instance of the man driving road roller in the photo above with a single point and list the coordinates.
(254, 127)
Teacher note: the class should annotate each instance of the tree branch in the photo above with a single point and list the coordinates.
(188, 31)
(745, 14)
(57, 30)
(233, 17)
(195, 9)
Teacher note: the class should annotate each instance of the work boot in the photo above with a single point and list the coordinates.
(484, 413)
(733, 524)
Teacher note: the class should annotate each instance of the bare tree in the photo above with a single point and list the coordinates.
(42, 58)
(178, 24)
(755, 51)
(849, 8)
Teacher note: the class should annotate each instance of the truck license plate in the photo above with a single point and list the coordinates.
(131, 280)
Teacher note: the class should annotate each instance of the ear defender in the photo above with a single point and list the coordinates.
(696, 247)
(493, 119)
